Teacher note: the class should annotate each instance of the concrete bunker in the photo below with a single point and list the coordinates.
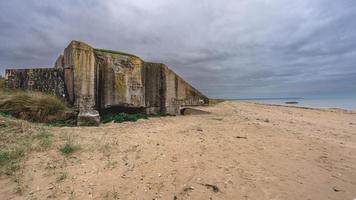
(93, 80)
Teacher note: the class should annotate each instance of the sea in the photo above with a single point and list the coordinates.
(341, 103)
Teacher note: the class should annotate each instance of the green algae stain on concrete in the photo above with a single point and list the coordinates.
(120, 84)
(135, 61)
(77, 65)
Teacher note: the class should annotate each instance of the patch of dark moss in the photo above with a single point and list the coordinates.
(122, 117)
(158, 115)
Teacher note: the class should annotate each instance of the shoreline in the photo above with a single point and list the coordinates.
(302, 107)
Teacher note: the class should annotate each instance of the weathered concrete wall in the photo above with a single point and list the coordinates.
(179, 93)
(155, 88)
(119, 80)
(69, 83)
(80, 61)
(59, 62)
(49, 80)
(166, 92)
(98, 79)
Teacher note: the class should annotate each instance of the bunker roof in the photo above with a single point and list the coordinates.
(115, 52)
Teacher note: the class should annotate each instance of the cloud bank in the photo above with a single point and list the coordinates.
(227, 49)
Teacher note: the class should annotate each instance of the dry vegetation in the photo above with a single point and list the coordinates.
(32, 106)
(19, 140)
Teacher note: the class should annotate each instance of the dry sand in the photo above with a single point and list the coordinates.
(239, 151)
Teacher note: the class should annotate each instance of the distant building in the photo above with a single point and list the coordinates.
(94, 80)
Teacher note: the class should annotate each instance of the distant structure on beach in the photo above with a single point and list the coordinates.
(93, 80)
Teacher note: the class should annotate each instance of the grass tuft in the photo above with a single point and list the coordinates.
(7, 156)
(61, 177)
(9, 160)
(32, 106)
(19, 185)
(16, 137)
(44, 138)
(68, 149)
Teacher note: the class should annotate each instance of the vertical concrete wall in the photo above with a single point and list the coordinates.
(59, 62)
(172, 103)
(48, 80)
(166, 92)
(155, 88)
(120, 80)
(179, 93)
(67, 64)
(80, 61)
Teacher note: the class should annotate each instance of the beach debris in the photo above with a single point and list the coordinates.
(336, 190)
(210, 186)
(291, 102)
(217, 119)
(264, 120)
(187, 189)
(241, 137)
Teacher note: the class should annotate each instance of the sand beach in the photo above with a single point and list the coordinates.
(240, 150)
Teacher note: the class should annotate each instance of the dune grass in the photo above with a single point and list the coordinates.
(32, 106)
(44, 137)
(69, 146)
(16, 137)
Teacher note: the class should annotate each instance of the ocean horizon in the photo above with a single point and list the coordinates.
(340, 103)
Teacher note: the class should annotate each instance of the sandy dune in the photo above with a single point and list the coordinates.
(240, 151)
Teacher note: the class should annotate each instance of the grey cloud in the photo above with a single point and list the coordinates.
(233, 49)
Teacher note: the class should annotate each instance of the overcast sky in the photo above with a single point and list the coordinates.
(226, 49)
